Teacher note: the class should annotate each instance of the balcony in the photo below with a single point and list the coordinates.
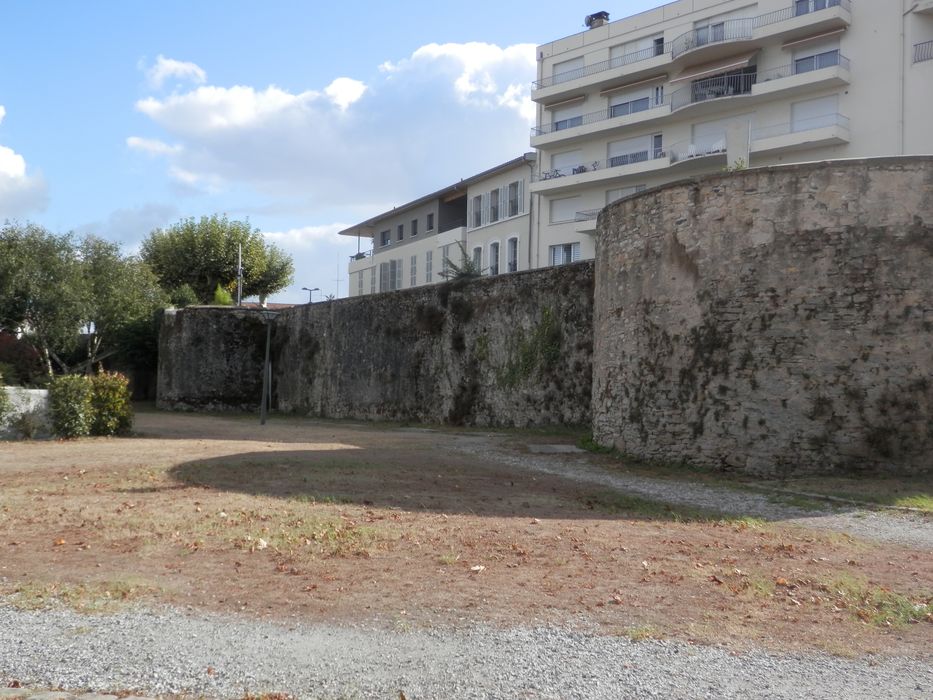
(690, 152)
(923, 52)
(800, 19)
(619, 166)
(822, 130)
(585, 221)
(361, 261)
(610, 118)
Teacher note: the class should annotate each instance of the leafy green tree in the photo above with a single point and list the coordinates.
(222, 297)
(465, 269)
(42, 288)
(203, 253)
(122, 296)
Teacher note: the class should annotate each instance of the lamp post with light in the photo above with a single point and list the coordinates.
(310, 292)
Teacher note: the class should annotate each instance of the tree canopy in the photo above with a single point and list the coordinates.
(203, 254)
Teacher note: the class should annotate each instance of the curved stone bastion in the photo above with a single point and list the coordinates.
(776, 320)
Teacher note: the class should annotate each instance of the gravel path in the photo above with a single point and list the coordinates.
(882, 526)
(167, 652)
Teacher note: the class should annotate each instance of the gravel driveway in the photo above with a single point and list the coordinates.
(167, 652)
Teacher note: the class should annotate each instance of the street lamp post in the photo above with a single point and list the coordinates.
(268, 317)
(310, 292)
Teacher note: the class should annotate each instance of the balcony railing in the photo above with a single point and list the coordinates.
(735, 29)
(614, 112)
(685, 150)
(804, 65)
(613, 162)
(586, 215)
(362, 256)
(601, 66)
(713, 88)
(923, 52)
(743, 29)
(800, 125)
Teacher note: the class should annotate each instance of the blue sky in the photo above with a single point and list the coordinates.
(116, 118)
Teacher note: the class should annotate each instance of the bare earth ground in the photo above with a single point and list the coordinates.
(333, 522)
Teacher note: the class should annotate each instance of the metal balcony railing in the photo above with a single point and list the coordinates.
(612, 162)
(613, 112)
(586, 215)
(804, 65)
(731, 30)
(685, 150)
(923, 52)
(713, 88)
(601, 66)
(362, 256)
(818, 122)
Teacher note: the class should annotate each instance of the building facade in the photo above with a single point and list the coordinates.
(489, 215)
(697, 86)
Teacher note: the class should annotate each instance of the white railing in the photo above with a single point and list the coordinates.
(599, 67)
(613, 112)
(613, 162)
(586, 215)
(820, 61)
(818, 122)
(686, 150)
(923, 52)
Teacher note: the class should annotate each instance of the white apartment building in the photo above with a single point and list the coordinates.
(489, 214)
(700, 85)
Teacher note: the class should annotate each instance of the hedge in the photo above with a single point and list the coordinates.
(98, 405)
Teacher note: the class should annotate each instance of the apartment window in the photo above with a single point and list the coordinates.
(413, 272)
(635, 150)
(494, 206)
(478, 258)
(802, 7)
(658, 45)
(568, 70)
(620, 109)
(511, 253)
(445, 261)
(400, 232)
(372, 280)
(817, 61)
(477, 211)
(567, 117)
(494, 258)
(617, 194)
(428, 265)
(566, 163)
(514, 198)
(564, 253)
(814, 114)
(429, 224)
(414, 227)
(564, 209)
(385, 238)
(711, 32)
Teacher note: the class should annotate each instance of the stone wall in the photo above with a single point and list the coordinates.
(777, 320)
(23, 401)
(210, 359)
(512, 350)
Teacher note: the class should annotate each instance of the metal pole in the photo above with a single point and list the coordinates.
(239, 274)
(265, 375)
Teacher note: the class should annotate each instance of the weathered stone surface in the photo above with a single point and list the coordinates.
(774, 320)
(510, 350)
(210, 358)
(35, 401)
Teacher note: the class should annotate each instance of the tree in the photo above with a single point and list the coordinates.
(203, 253)
(122, 296)
(42, 289)
(465, 269)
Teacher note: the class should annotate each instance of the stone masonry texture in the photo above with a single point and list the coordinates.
(776, 320)
(511, 350)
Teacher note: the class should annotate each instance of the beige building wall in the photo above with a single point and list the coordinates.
(696, 86)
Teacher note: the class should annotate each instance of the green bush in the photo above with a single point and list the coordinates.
(70, 405)
(222, 297)
(5, 405)
(113, 414)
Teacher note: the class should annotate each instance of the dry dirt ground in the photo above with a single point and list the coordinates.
(339, 522)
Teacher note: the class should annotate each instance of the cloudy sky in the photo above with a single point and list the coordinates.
(305, 117)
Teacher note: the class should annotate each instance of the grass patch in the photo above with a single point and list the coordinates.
(640, 507)
(640, 633)
(876, 605)
(92, 597)
(448, 559)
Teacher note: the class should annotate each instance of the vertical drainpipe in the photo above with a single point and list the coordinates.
(531, 207)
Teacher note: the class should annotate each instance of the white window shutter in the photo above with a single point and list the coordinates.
(575, 252)
(521, 196)
(485, 208)
(469, 221)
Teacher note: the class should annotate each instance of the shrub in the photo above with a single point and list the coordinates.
(5, 405)
(29, 424)
(113, 414)
(70, 405)
(222, 297)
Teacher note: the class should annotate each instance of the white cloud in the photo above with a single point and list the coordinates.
(131, 225)
(20, 192)
(165, 68)
(304, 237)
(153, 147)
(444, 113)
(343, 92)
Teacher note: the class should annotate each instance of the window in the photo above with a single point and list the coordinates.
(567, 117)
(493, 206)
(429, 224)
(445, 261)
(630, 107)
(477, 220)
(428, 264)
(359, 283)
(511, 252)
(385, 238)
(413, 275)
(390, 275)
(658, 45)
(372, 280)
(478, 258)
(400, 232)
(514, 199)
(817, 61)
(802, 7)
(617, 194)
(814, 114)
(564, 209)
(635, 150)
(566, 163)
(564, 253)
(636, 50)
(414, 227)
(493, 258)
(568, 70)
